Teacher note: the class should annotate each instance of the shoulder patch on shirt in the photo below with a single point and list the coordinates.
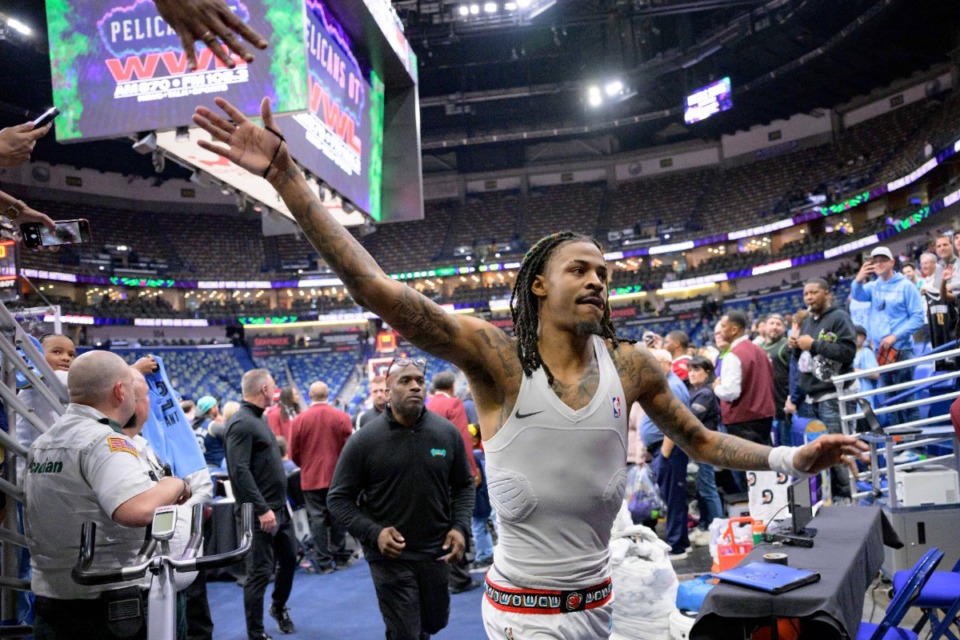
(116, 443)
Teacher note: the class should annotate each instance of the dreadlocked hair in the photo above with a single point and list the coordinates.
(525, 307)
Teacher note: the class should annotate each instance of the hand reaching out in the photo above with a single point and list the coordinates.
(257, 149)
(830, 450)
(209, 21)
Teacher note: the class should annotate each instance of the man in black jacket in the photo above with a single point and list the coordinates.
(825, 347)
(410, 466)
(256, 472)
(775, 344)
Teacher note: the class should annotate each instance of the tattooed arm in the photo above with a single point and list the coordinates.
(644, 382)
(465, 341)
(641, 373)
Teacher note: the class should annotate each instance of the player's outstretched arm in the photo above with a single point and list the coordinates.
(262, 151)
(639, 368)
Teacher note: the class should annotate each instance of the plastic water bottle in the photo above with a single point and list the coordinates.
(757, 528)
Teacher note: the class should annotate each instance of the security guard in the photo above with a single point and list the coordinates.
(84, 468)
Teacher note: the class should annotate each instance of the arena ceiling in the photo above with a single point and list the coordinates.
(493, 86)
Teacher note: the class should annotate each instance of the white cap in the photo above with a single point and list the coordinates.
(881, 251)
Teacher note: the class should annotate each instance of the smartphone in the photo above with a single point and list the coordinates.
(46, 118)
(66, 232)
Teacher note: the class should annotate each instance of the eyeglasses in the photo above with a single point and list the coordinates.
(419, 363)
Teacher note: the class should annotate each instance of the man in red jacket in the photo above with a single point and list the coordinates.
(317, 436)
(448, 406)
(746, 386)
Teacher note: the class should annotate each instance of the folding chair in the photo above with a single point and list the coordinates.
(904, 598)
(941, 592)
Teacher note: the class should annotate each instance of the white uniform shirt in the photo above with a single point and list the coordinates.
(80, 470)
(26, 432)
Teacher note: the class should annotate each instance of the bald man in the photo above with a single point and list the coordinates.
(317, 437)
(85, 468)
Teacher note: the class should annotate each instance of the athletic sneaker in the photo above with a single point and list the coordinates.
(681, 555)
(282, 616)
(699, 538)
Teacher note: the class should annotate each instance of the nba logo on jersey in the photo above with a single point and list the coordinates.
(616, 406)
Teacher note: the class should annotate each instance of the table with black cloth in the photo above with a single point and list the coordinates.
(847, 552)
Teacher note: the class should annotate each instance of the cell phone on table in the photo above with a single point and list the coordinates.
(66, 232)
(46, 118)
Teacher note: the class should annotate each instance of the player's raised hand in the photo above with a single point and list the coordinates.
(259, 150)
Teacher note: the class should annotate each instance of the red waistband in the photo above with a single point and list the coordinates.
(548, 601)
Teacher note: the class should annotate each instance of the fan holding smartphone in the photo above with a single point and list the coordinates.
(64, 232)
(16, 145)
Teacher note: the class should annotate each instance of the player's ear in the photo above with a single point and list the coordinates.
(539, 286)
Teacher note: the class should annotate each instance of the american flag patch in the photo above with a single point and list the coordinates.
(121, 444)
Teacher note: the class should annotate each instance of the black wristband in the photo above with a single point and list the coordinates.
(275, 153)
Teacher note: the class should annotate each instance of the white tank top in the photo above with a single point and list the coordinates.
(556, 479)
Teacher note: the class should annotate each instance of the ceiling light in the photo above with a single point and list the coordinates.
(16, 25)
(464, 10)
(613, 88)
(523, 4)
(474, 9)
(490, 7)
(510, 6)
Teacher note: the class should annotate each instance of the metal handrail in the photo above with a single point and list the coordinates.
(52, 391)
(893, 366)
(908, 435)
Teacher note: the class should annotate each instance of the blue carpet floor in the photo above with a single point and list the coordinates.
(335, 606)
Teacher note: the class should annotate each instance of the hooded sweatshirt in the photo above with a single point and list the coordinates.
(895, 308)
(832, 352)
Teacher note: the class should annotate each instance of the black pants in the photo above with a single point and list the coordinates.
(81, 620)
(413, 597)
(199, 622)
(277, 549)
(329, 538)
(753, 430)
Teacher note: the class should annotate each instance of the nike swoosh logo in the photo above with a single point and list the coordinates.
(521, 416)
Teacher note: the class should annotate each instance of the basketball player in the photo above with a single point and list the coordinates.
(552, 401)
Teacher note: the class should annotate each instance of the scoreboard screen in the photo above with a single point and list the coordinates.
(709, 100)
(340, 138)
(118, 68)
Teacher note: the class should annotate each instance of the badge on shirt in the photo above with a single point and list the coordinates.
(616, 406)
(117, 443)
